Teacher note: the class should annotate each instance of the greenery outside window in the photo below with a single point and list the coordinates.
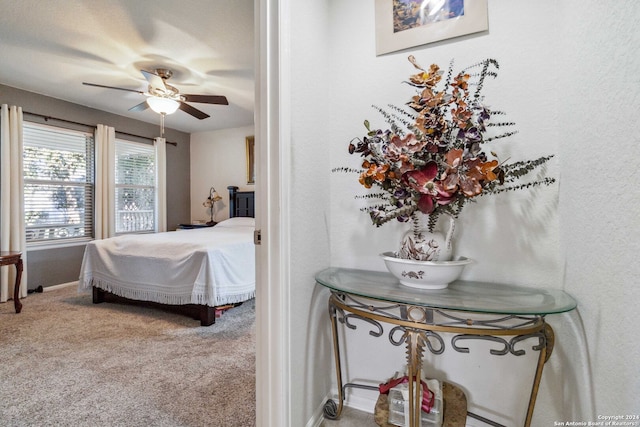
(135, 187)
(58, 183)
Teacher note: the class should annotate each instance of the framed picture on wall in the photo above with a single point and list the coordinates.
(401, 24)
(251, 160)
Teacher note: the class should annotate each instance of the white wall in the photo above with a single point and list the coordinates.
(218, 159)
(309, 202)
(567, 79)
(599, 94)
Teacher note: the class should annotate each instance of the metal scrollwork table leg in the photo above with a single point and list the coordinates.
(417, 331)
(332, 410)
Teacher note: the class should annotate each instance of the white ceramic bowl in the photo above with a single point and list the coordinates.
(424, 274)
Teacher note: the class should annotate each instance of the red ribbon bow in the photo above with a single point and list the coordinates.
(428, 397)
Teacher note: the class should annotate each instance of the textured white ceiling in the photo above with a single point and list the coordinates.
(51, 47)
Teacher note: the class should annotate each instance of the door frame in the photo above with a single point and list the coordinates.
(272, 125)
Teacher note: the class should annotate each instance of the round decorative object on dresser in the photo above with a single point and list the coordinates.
(424, 274)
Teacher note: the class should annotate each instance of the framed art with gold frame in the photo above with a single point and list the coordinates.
(401, 24)
(251, 160)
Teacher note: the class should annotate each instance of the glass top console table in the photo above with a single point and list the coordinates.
(504, 314)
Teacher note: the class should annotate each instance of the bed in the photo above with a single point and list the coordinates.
(202, 270)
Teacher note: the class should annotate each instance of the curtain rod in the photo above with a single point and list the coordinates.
(46, 118)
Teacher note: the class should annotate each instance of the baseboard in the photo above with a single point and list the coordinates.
(60, 286)
(355, 401)
(317, 417)
(362, 400)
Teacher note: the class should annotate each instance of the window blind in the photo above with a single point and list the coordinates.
(135, 187)
(58, 183)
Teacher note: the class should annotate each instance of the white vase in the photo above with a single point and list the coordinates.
(423, 245)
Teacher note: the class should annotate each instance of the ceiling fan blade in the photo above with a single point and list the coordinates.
(193, 111)
(113, 87)
(155, 81)
(207, 99)
(140, 107)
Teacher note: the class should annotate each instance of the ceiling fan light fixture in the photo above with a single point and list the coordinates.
(165, 99)
(163, 105)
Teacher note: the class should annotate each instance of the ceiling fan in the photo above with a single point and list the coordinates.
(166, 99)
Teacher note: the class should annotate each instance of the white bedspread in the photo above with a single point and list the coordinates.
(209, 266)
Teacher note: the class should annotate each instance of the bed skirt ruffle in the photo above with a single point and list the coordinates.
(153, 295)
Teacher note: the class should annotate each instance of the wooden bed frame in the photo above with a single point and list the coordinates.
(241, 204)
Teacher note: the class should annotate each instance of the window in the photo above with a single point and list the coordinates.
(58, 183)
(135, 187)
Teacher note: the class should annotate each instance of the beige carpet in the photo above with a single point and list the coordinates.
(67, 362)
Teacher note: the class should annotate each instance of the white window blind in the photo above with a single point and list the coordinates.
(58, 183)
(135, 187)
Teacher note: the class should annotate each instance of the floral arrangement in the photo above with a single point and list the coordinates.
(434, 157)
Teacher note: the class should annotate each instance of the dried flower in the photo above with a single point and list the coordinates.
(432, 159)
